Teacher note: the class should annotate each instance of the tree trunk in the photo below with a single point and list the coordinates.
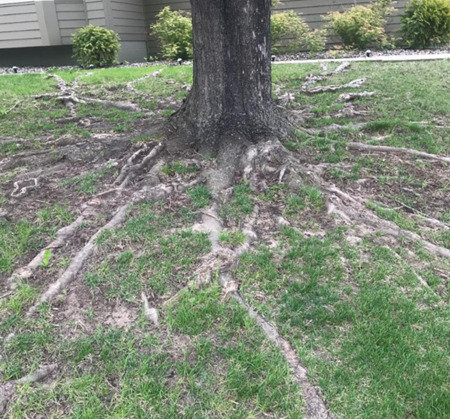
(230, 100)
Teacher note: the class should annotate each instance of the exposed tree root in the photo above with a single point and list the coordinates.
(68, 94)
(154, 194)
(127, 166)
(11, 108)
(419, 278)
(312, 79)
(130, 85)
(151, 313)
(331, 128)
(334, 88)
(341, 68)
(348, 97)
(315, 405)
(7, 390)
(133, 170)
(21, 188)
(349, 111)
(387, 149)
(356, 212)
(433, 222)
(62, 237)
(257, 160)
(131, 107)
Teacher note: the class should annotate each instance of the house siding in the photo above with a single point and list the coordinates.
(129, 19)
(71, 15)
(19, 25)
(95, 11)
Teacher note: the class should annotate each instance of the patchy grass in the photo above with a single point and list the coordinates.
(367, 315)
(209, 359)
(179, 168)
(87, 183)
(23, 237)
(240, 205)
(361, 337)
(200, 196)
(232, 238)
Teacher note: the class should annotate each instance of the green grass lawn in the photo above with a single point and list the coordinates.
(367, 315)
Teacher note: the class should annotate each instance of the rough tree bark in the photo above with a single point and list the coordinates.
(230, 102)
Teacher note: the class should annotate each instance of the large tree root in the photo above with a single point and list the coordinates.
(315, 405)
(133, 169)
(62, 237)
(356, 211)
(348, 97)
(154, 194)
(334, 88)
(68, 95)
(312, 79)
(130, 85)
(124, 106)
(387, 149)
(258, 158)
(70, 99)
(7, 390)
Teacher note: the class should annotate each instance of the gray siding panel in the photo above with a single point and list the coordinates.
(23, 17)
(129, 20)
(17, 8)
(23, 34)
(19, 25)
(21, 43)
(71, 15)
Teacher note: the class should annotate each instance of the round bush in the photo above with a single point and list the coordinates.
(95, 46)
(361, 26)
(426, 23)
(173, 29)
(290, 33)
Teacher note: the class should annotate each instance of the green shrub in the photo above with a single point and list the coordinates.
(94, 45)
(315, 40)
(426, 23)
(173, 29)
(290, 33)
(361, 26)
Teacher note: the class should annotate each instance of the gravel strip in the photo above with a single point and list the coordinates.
(286, 57)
